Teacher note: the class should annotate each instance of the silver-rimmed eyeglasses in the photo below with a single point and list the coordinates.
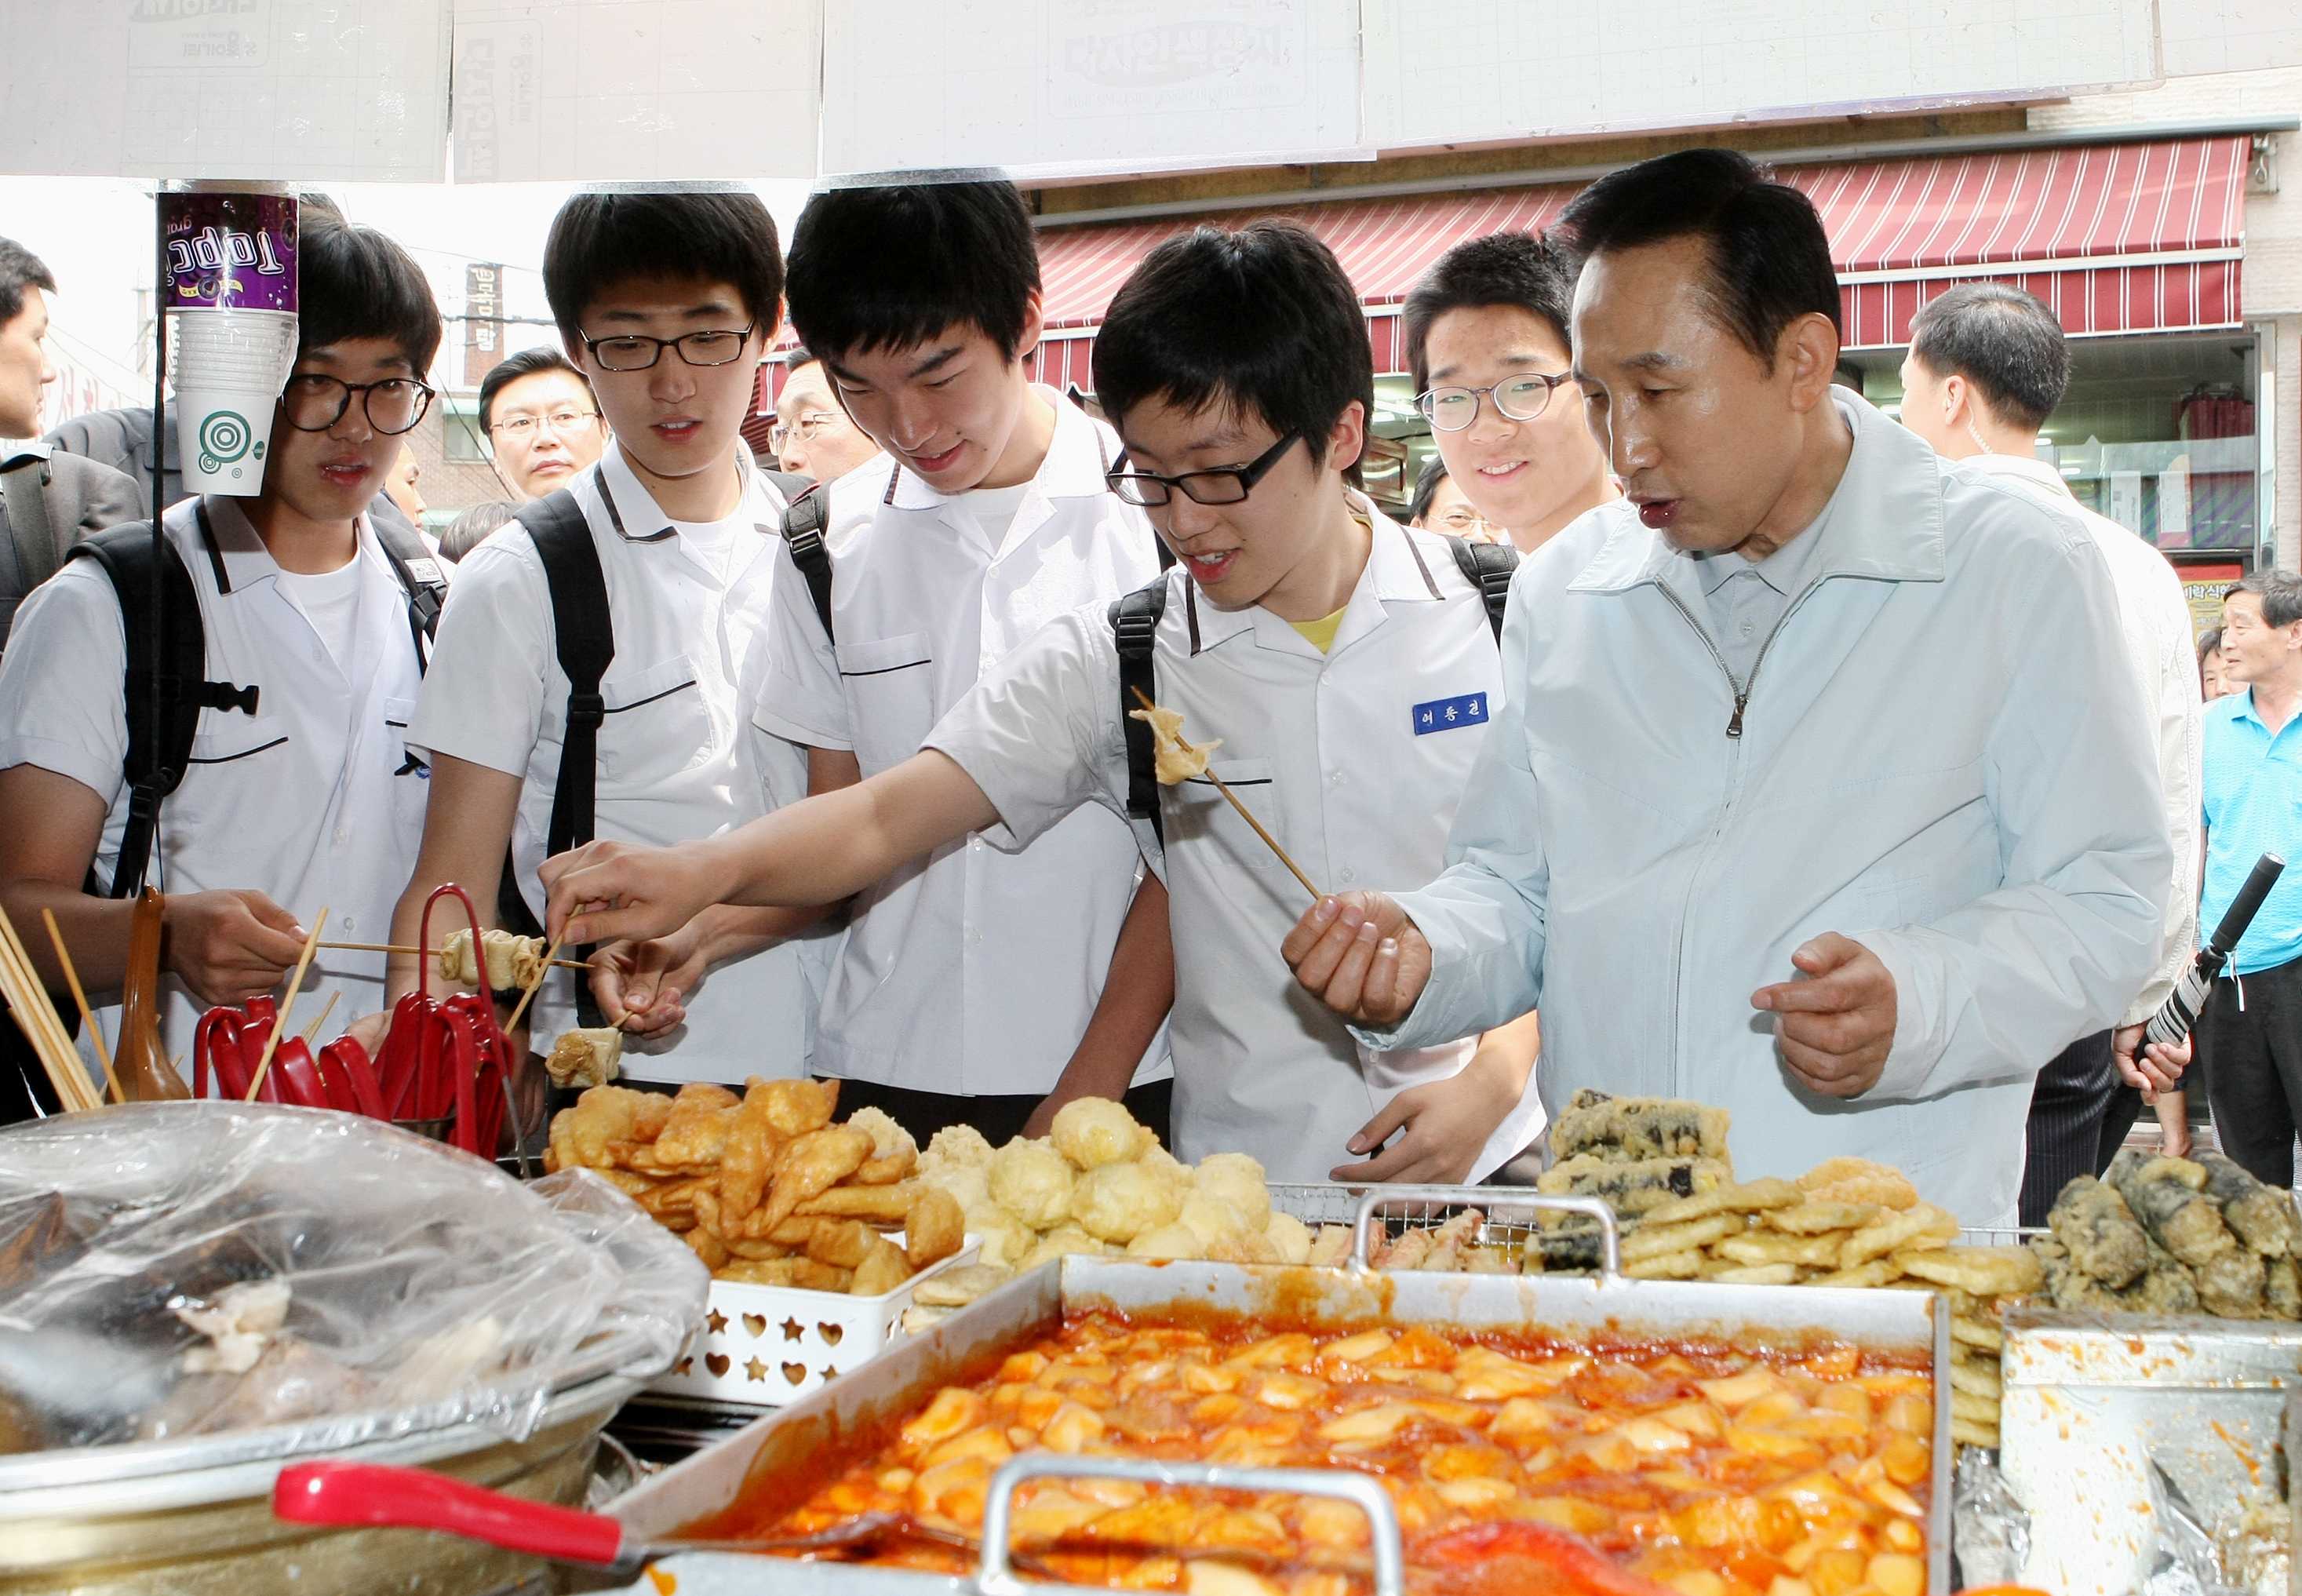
(1519, 399)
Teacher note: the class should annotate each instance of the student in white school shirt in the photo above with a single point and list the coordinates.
(979, 986)
(668, 304)
(311, 799)
(1309, 633)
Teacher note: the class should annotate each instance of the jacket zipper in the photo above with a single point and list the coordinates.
(1734, 730)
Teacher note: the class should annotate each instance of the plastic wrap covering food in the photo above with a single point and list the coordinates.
(170, 1271)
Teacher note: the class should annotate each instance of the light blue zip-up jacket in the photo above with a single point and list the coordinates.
(1939, 752)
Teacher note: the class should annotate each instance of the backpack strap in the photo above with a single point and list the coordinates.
(1487, 567)
(1135, 629)
(419, 577)
(791, 484)
(804, 525)
(585, 640)
(159, 750)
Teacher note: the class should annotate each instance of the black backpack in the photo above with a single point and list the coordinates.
(1135, 627)
(168, 671)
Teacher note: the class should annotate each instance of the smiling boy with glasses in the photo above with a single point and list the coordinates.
(298, 792)
(598, 679)
(1347, 664)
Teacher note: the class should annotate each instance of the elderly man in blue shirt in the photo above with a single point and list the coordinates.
(1821, 792)
(2251, 1036)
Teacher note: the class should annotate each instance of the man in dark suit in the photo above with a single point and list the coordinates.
(48, 501)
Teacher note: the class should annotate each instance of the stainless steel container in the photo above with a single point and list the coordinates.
(2092, 1399)
(191, 1518)
(783, 1458)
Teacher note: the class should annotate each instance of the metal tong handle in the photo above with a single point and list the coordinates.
(996, 1575)
(1487, 1199)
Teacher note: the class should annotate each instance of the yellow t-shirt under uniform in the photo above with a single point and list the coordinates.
(1320, 633)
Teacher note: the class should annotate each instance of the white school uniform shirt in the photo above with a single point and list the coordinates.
(678, 756)
(312, 801)
(1353, 760)
(972, 972)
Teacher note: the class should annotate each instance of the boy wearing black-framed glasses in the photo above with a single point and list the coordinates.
(297, 790)
(1347, 664)
(598, 678)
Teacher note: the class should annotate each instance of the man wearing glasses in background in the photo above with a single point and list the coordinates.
(541, 421)
(812, 433)
(668, 304)
(299, 792)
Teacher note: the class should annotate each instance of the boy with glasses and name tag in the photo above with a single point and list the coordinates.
(1346, 666)
(597, 678)
(292, 787)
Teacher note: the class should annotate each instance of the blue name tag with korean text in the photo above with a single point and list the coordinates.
(1445, 714)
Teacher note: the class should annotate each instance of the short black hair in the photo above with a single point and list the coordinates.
(1263, 319)
(600, 241)
(2281, 592)
(2004, 341)
(469, 530)
(799, 355)
(2209, 639)
(1426, 489)
(19, 268)
(1770, 256)
(358, 283)
(1503, 268)
(888, 268)
(511, 368)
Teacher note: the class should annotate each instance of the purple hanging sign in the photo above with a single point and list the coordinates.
(234, 251)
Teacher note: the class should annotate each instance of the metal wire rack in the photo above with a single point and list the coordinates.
(1323, 1202)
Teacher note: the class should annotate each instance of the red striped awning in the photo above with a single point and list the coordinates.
(2117, 239)
(2133, 238)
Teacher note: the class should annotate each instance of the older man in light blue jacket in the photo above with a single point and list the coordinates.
(1820, 792)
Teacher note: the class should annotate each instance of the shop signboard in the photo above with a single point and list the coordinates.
(2203, 587)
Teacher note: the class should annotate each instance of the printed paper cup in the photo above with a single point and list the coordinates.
(228, 368)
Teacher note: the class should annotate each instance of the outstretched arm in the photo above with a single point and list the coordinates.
(816, 850)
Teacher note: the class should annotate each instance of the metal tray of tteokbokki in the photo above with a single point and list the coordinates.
(1107, 1423)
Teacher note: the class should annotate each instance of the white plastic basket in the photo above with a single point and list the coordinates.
(771, 1346)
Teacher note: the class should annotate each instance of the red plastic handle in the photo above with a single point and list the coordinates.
(372, 1494)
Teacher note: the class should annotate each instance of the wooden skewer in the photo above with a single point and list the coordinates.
(1244, 815)
(326, 1009)
(534, 984)
(36, 1017)
(394, 947)
(279, 1023)
(87, 1018)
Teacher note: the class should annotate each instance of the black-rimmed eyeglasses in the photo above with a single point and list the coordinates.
(635, 351)
(312, 403)
(1519, 399)
(1223, 484)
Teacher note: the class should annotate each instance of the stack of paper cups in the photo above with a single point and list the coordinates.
(230, 297)
(229, 367)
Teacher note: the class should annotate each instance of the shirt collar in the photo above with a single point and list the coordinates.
(15, 451)
(1079, 454)
(2027, 468)
(1396, 571)
(1786, 570)
(1885, 521)
(236, 555)
(636, 516)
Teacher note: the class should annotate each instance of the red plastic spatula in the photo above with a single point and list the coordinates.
(371, 1495)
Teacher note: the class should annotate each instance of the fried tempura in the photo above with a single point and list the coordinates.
(1176, 759)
